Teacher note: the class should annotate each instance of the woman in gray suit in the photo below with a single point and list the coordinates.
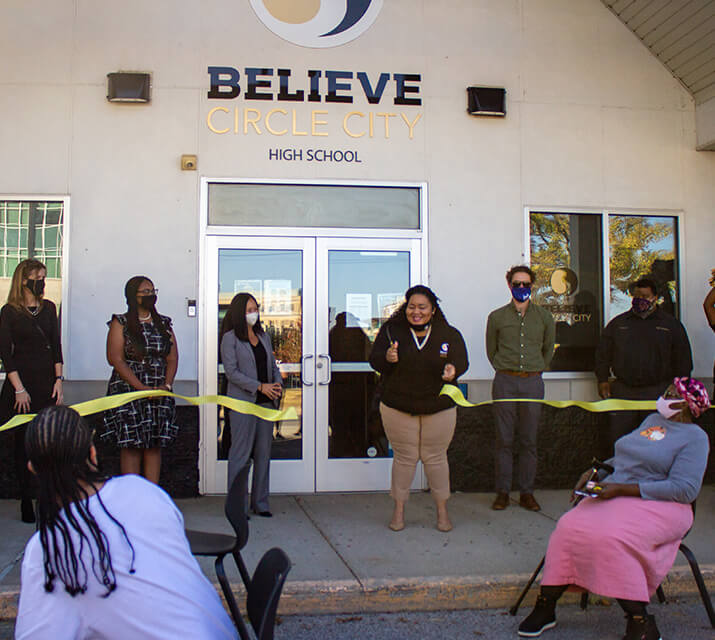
(252, 375)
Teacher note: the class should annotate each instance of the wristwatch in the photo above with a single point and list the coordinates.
(59, 378)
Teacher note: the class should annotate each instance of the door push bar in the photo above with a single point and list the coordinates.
(303, 360)
(329, 377)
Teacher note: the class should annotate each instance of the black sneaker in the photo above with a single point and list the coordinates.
(543, 617)
(641, 628)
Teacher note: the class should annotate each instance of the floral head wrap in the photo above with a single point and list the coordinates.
(694, 393)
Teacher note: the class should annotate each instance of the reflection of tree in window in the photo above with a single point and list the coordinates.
(642, 246)
(287, 341)
(549, 250)
(566, 257)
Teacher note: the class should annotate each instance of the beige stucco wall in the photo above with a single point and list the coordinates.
(594, 120)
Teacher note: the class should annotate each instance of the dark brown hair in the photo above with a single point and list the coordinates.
(520, 268)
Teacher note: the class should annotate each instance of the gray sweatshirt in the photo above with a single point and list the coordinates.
(666, 459)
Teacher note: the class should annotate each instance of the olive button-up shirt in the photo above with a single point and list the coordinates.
(517, 342)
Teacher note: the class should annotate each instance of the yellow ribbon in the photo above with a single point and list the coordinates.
(612, 404)
(114, 401)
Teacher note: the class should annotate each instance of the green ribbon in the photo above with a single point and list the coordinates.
(612, 404)
(112, 402)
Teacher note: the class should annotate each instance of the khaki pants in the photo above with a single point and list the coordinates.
(424, 438)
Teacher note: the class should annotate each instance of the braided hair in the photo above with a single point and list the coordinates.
(133, 325)
(58, 443)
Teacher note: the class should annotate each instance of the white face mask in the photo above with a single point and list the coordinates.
(252, 318)
(663, 405)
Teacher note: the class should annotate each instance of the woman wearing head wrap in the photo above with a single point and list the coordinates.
(141, 347)
(110, 558)
(622, 542)
(417, 351)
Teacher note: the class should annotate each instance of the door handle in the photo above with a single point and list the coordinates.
(330, 369)
(303, 360)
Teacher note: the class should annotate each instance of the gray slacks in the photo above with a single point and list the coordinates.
(524, 416)
(251, 439)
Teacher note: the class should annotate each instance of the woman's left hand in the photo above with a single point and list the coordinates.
(614, 490)
(271, 389)
(57, 392)
(449, 373)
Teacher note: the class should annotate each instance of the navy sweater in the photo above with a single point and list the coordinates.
(413, 383)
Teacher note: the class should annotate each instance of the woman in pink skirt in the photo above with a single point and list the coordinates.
(622, 543)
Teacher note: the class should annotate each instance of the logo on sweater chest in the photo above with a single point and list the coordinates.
(444, 350)
(653, 433)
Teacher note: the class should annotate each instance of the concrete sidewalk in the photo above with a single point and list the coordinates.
(346, 560)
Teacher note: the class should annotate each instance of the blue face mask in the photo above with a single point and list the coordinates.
(521, 294)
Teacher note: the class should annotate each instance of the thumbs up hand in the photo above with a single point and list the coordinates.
(391, 355)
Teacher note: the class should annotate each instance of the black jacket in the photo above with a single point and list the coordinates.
(412, 384)
(643, 351)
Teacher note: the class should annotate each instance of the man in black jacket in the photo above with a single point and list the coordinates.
(644, 348)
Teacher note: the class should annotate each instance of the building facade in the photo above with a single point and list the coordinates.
(321, 156)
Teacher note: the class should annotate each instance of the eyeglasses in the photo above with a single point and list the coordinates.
(147, 292)
(520, 284)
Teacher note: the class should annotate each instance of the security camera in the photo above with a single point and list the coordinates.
(188, 163)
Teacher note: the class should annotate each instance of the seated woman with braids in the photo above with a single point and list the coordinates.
(110, 559)
(621, 542)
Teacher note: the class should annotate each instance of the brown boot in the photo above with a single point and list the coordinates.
(528, 501)
(501, 502)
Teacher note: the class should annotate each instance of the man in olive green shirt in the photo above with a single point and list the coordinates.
(520, 345)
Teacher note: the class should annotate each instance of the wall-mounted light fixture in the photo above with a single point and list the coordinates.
(486, 101)
(125, 86)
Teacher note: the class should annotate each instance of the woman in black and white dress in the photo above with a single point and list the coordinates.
(141, 347)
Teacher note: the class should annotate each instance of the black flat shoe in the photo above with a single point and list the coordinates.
(263, 514)
(27, 511)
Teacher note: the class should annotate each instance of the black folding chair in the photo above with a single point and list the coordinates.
(264, 592)
(697, 575)
(204, 543)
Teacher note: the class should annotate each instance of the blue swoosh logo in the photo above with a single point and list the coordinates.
(356, 9)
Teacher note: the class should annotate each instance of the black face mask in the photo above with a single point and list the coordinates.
(36, 287)
(148, 302)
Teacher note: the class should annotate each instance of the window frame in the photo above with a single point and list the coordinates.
(604, 213)
(63, 315)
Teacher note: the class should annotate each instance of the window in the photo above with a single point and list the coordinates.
(569, 254)
(643, 246)
(301, 205)
(32, 229)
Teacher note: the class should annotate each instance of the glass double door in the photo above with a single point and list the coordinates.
(322, 301)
